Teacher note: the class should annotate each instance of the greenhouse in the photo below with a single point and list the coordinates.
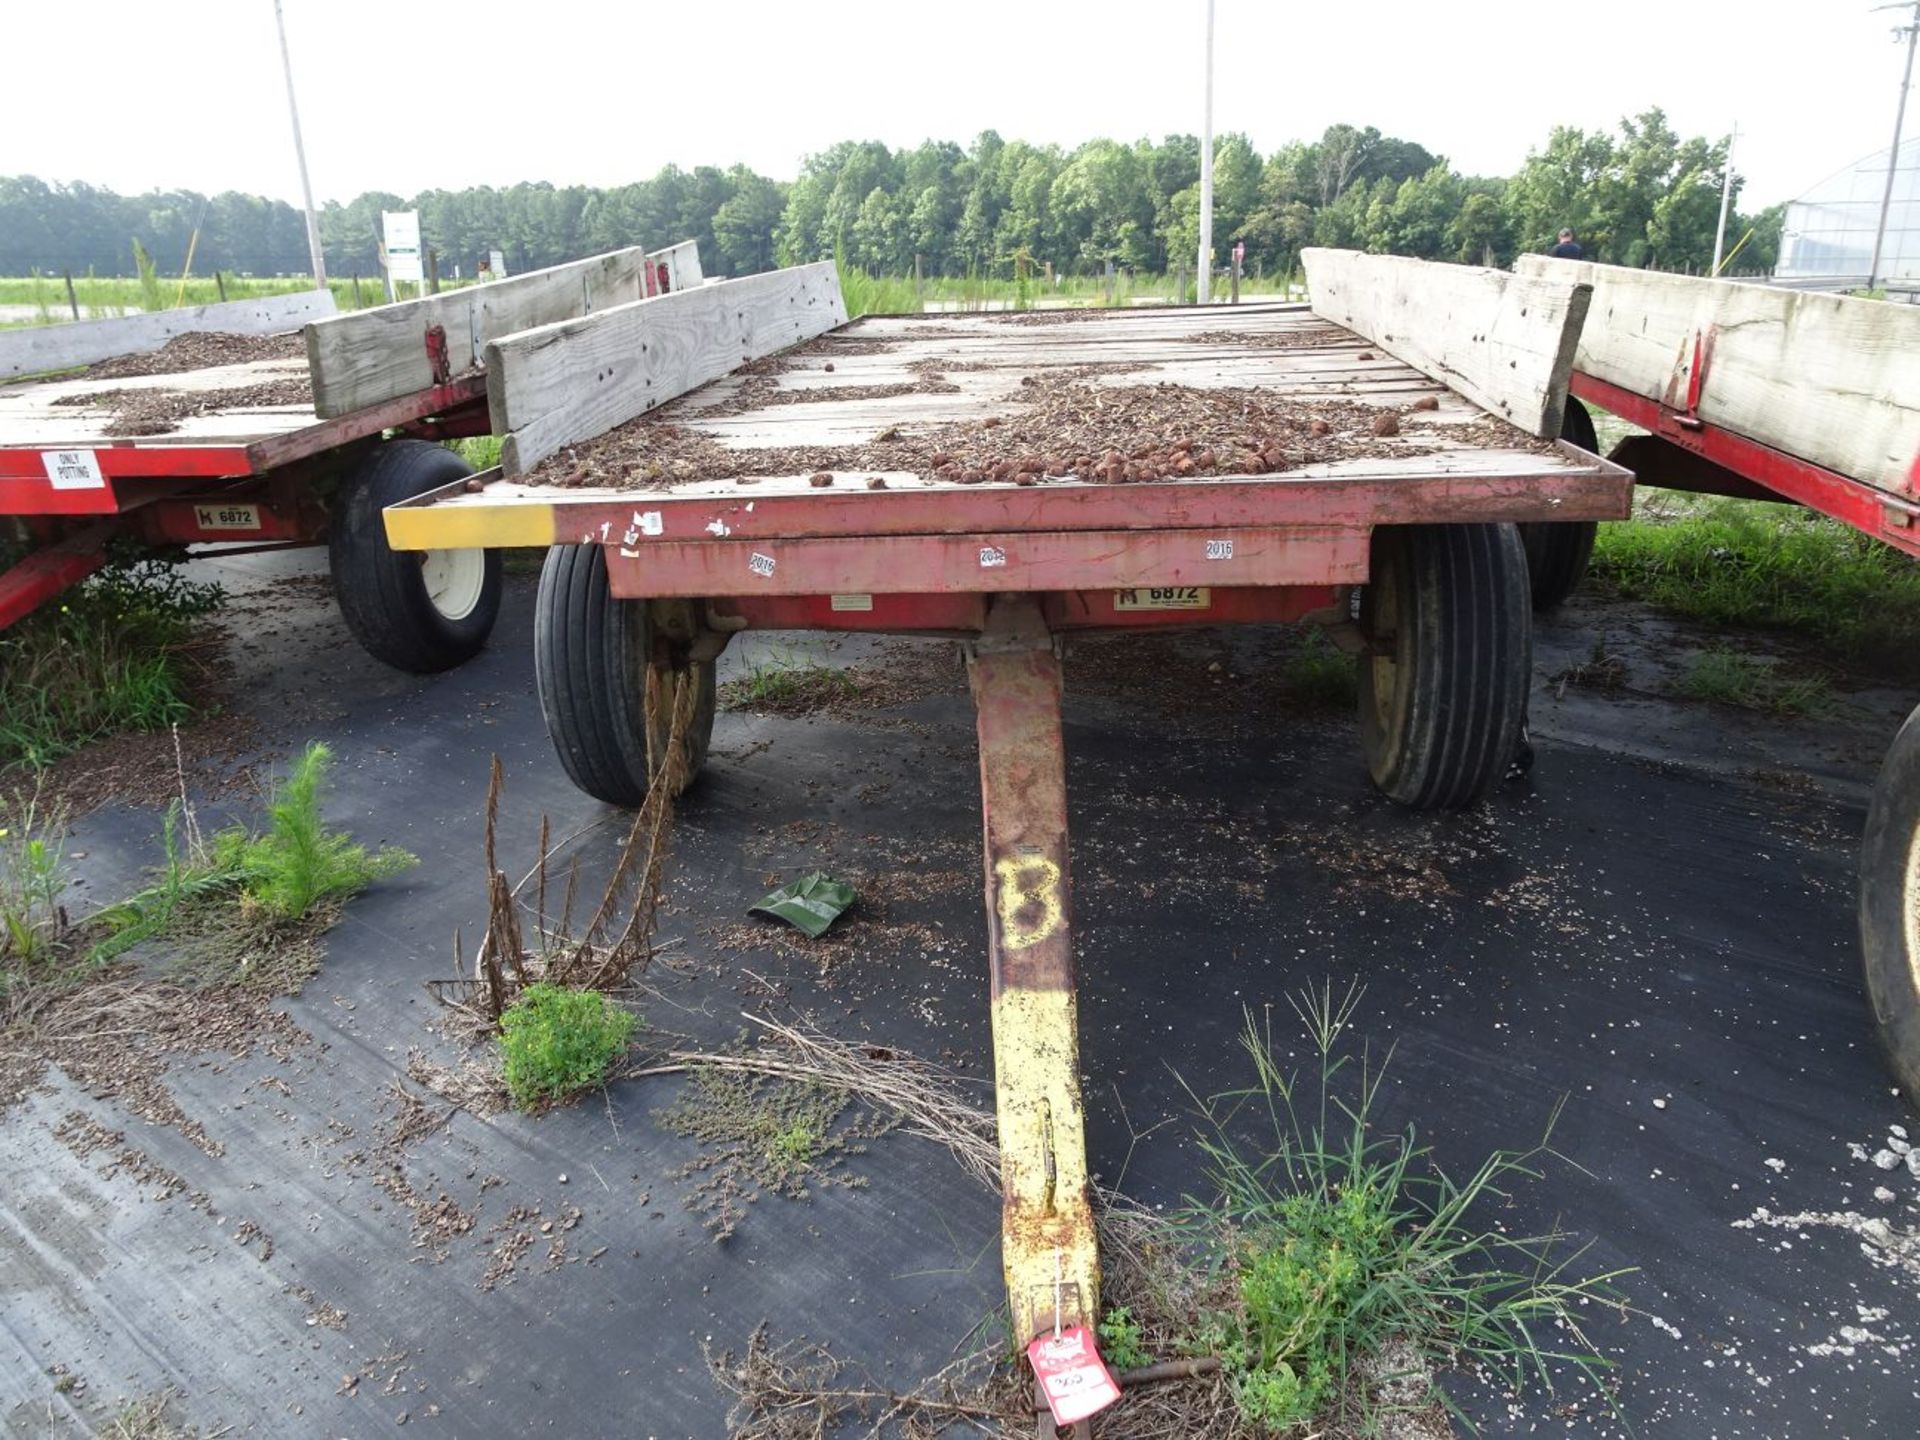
(1828, 234)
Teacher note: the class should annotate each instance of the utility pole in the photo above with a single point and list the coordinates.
(1204, 272)
(300, 154)
(1726, 202)
(1910, 30)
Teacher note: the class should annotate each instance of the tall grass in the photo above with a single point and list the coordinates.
(110, 655)
(1755, 563)
(107, 296)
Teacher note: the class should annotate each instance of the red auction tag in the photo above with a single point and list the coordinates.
(1072, 1375)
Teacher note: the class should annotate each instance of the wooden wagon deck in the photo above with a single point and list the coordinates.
(44, 413)
(1449, 462)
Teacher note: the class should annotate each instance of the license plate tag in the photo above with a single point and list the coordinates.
(1164, 597)
(227, 517)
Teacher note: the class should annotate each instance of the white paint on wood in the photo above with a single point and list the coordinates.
(367, 356)
(42, 348)
(1506, 342)
(569, 382)
(1826, 378)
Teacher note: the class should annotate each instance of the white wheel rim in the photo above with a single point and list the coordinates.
(454, 580)
(1910, 910)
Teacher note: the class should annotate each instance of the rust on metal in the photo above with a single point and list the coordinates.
(1047, 1237)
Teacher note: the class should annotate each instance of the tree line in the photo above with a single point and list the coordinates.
(1641, 195)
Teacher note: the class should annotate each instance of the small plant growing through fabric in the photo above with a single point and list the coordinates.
(556, 1043)
(297, 862)
(1122, 1341)
(293, 873)
(33, 921)
(1329, 1240)
(763, 1134)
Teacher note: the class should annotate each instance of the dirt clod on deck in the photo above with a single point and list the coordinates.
(200, 350)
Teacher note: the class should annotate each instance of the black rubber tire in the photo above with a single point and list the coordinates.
(1443, 702)
(590, 658)
(383, 593)
(1890, 907)
(1558, 551)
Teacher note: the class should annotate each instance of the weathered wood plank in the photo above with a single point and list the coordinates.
(683, 265)
(1504, 341)
(41, 348)
(1827, 378)
(368, 356)
(568, 382)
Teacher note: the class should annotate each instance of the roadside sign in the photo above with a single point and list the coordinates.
(400, 229)
(499, 263)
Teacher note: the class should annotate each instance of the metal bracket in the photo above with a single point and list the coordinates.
(438, 360)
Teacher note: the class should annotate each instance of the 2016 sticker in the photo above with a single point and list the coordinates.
(761, 565)
(1219, 549)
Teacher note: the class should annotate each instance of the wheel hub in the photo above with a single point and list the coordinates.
(454, 580)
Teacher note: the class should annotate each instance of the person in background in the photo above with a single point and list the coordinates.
(1568, 248)
(483, 272)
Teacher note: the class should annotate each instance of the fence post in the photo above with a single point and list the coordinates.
(433, 272)
(357, 304)
(1236, 275)
(220, 284)
(73, 301)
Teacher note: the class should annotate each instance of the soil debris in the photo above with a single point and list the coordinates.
(764, 1135)
(1109, 434)
(115, 1035)
(86, 1137)
(200, 350)
(149, 410)
(1317, 338)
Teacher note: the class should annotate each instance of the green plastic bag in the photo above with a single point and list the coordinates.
(810, 904)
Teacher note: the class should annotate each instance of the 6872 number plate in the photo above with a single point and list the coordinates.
(1164, 597)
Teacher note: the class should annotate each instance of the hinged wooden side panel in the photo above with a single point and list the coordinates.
(1826, 378)
(369, 356)
(40, 348)
(1506, 342)
(565, 383)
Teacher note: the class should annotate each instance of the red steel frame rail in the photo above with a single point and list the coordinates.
(1719, 461)
(258, 493)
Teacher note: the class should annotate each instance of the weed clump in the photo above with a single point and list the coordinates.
(297, 862)
(1725, 678)
(1331, 1242)
(788, 684)
(114, 654)
(556, 1042)
(292, 871)
(1319, 675)
(33, 921)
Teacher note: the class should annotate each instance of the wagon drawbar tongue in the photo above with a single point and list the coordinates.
(1047, 1243)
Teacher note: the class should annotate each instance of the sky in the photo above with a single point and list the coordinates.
(601, 92)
